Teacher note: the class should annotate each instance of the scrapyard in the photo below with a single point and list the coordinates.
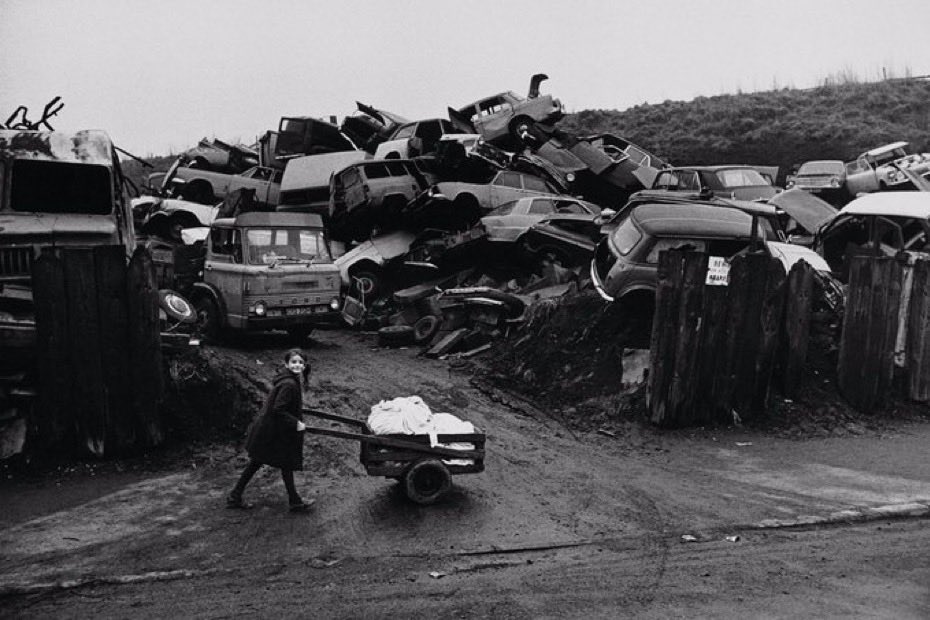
(505, 297)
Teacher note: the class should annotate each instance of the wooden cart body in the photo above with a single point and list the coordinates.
(423, 469)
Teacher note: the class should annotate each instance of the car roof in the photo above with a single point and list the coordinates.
(692, 220)
(838, 162)
(902, 204)
(680, 198)
(888, 147)
(89, 146)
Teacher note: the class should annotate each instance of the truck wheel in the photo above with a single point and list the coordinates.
(367, 282)
(208, 318)
(299, 334)
(395, 336)
(426, 481)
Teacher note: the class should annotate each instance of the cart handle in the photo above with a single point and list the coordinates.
(336, 418)
(390, 442)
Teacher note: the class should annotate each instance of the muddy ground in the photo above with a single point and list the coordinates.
(580, 512)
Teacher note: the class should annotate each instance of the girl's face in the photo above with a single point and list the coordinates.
(296, 364)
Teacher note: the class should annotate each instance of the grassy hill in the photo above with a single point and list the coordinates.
(780, 127)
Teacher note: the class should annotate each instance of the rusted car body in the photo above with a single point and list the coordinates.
(415, 138)
(207, 187)
(825, 178)
(511, 220)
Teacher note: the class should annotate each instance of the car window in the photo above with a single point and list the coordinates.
(447, 127)
(663, 244)
(377, 171)
(397, 168)
(637, 156)
(820, 167)
(626, 236)
(508, 179)
(350, 177)
(570, 206)
(543, 205)
(504, 209)
(740, 177)
(494, 105)
(535, 184)
(404, 132)
(429, 130)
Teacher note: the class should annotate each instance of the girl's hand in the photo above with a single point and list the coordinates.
(301, 426)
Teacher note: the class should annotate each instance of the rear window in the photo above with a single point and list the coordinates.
(60, 187)
(741, 177)
(542, 206)
(504, 209)
(821, 167)
(537, 185)
(626, 236)
(377, 171)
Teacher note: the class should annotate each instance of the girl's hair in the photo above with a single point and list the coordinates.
(299, 353)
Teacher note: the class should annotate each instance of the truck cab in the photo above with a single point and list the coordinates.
(56, 190)
(267, 270)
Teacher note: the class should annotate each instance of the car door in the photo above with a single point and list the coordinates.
(507, 185)
(224, 270)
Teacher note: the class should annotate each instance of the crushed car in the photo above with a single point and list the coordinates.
(506, 117)
(415, 138)
(207, 187)
(825, 178)
(729, 181)
(880, 169)
(511, 220)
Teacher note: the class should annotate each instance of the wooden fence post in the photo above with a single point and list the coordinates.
(865, 369)
(144, 347)
(918, 333)
(798, 307)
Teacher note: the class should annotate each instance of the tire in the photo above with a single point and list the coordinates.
(368, 282)
(395, 336)
(520, 125)
(199, 191)
(300, 333)
(209, 321)
(427, 481)
(466, 211)
(425, 328)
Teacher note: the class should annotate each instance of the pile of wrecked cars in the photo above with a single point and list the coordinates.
(435, 226)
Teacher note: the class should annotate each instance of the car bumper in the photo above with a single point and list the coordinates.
(598, 285)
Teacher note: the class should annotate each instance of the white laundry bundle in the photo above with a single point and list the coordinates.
(409, 415)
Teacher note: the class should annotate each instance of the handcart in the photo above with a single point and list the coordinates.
(425, 471)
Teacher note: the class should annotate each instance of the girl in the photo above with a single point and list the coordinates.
(276, 437)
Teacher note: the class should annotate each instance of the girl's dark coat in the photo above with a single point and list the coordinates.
(273, 438)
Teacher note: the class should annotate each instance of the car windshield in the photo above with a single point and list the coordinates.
(740, 177)
(60, 187)
(821, 167)
(268, 246)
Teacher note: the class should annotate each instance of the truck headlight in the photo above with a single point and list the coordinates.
(334, 303)
(260, 309)
(893, 176)
(835, 182)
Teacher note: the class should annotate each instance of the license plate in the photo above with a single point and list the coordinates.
(298, 311)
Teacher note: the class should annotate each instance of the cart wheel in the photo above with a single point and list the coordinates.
(426, 481)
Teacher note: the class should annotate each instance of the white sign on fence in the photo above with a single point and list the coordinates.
(718, 271)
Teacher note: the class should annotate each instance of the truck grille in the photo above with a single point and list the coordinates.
(15, 262)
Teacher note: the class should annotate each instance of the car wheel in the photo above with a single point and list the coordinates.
(199, 191)
(208, 318)
(520, 126)
(368, 283)
(466, 211)
(426, 481)
(395, 336)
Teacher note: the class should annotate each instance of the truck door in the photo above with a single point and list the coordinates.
(224, 270)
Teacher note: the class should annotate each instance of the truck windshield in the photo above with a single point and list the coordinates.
(60, 187)
(267, 246)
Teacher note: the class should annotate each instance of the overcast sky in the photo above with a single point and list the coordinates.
(158, 75)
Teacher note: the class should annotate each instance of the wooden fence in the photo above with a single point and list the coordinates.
(885, 332)
(714, 341)
(98, 351)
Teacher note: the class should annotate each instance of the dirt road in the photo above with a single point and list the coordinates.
(562, 523)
